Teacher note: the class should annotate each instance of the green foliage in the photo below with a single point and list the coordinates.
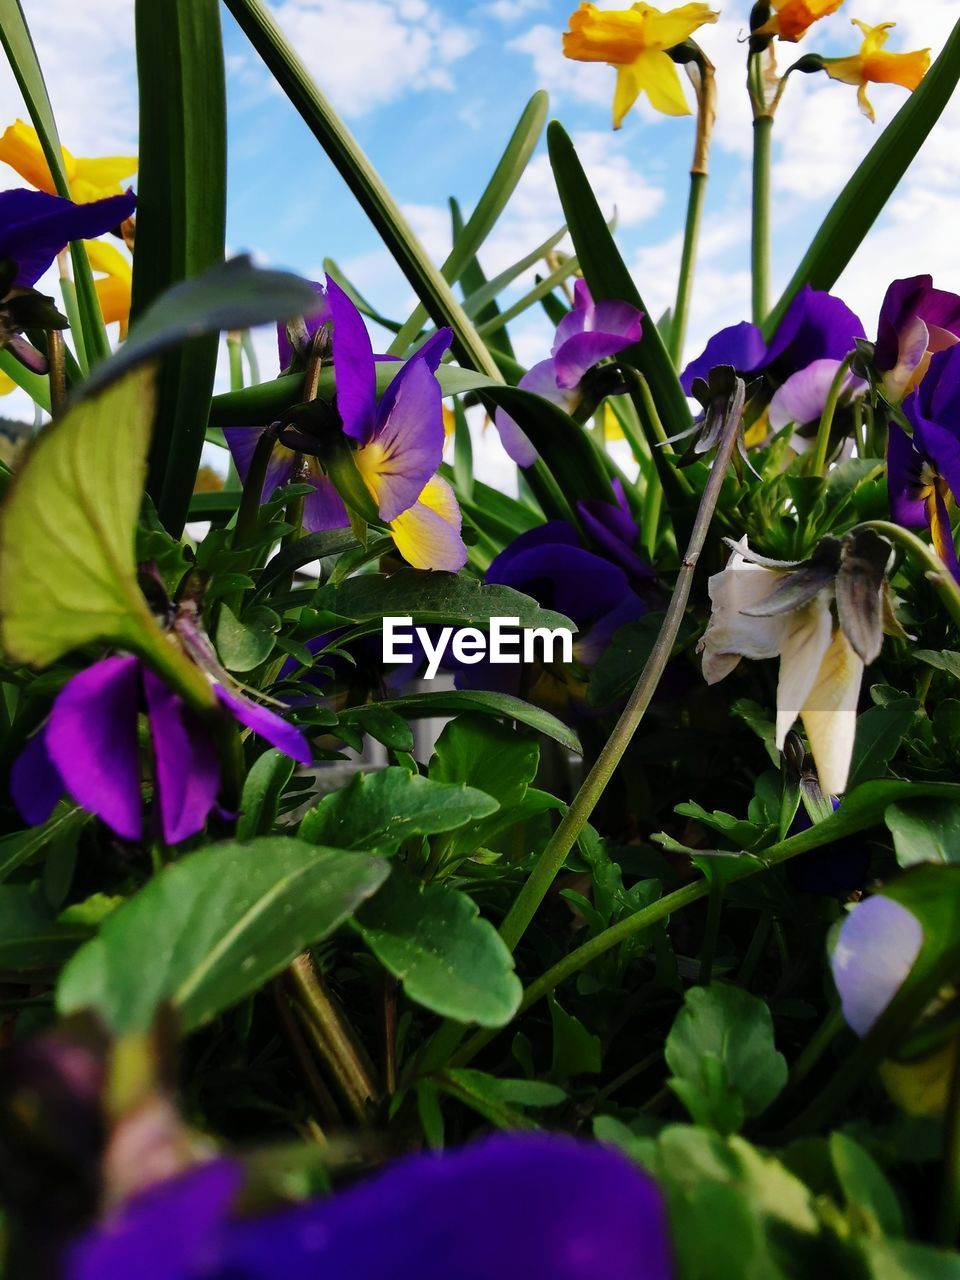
(447, 957)
(211, 929)
(721, 1052)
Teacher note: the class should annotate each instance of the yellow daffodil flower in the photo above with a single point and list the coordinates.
(89, 179)
(874, 65)
(793, 18)
(634, 42)
(113, 284)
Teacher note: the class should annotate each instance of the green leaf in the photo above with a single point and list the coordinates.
(242, 645)
(487, 210)
(212, 928)
(229, 295)
(22, 846)
(518, 1093)
(68, 573)
(453, 702)
(868, 1193)
(379, 811)
(475, 750)
(30, 936)
(315, 546)
(386, 726)
(879, 734)
(181, 221)
(856, 208)
(254, 19)
(721, 1052)
(606, 274)
(576, 1051)
(262, 791)
(433, 597)
(448, 958)
(925, 831)
(943, 660)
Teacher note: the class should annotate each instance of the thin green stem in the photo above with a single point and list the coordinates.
(948, 1216)
(760, 237)
(691, 237)
(936, 572)
(249, 510)
(235, 359)
(56, 359)
(711, 932)
(819, 463)
(816, 1046)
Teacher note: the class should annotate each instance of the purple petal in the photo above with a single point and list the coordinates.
(35, 782)
(172, 1232)
(92, 740)
(187, 768)
(542, 381)
(323, 508)
(591, 646)
(511, 1207)
(35, 226)
(313, 324)
(434, 349)
(242, 443)
(543, 535)
(817, 326)
(803, 397)
(741, 345)
(266, 724)
(590, 333)
(409, 439)
(356, 375)
(904, 482)
(501, 1208)
(906, 300)
(575, 582)
(940, 396)
(876, 949)
(612, 529)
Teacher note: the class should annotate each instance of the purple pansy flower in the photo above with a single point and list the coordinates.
(508, 1207)
(35, 226)
(816, 327)
(588, 333)
(89, 749)
(916, 321)
(875, 951)
(399, 445)
(924, 469)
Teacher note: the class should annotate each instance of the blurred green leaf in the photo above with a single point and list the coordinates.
(262, 790)
(925, 831)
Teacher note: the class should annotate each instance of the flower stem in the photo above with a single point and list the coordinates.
(760, 239)
(249, 511)
(691, 236)
(936, 572)
(57, 361)
(819, 464)
(538, 883)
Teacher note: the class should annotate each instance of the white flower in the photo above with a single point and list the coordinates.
(767, 609)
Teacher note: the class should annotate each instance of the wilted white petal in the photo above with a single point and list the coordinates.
(806, 640)
(876, 949)
(829, 714)
(730, 635)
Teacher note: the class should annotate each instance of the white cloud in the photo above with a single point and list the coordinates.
(368, 53)
(509, 10)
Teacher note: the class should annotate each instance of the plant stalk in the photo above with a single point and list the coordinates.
(760, 235)
(819, 464)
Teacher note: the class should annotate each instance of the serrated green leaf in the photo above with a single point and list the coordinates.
(448, 958)
(379, 811)
(213, 927)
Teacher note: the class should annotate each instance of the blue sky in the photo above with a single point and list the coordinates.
(433, 88)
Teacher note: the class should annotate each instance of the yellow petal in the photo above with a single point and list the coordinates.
(427, 534)
(874, 38)
(906, 69)
(829, 714)
(921, 1088)
(849, 70)
(795, 17)
(95, 179)
(866, 106)
(114, 298)
(613, 36)
(657, 74)
(107, 258)
(20, 149)
(625, 94)
(664, 30)
(7, 384)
